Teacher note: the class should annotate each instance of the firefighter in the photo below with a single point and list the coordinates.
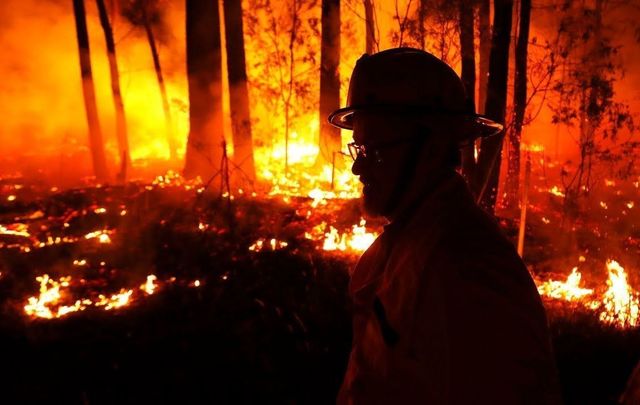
(445, 312)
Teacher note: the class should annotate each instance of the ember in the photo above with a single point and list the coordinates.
(102, 236)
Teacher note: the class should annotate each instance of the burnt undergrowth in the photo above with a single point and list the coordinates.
(269, 326)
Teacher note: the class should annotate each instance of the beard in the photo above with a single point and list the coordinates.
(372, 202)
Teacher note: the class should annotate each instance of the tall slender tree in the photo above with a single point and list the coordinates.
(422, 17)
(467, 52)
(330, 141)
(204, 74)
(484, 33)
(371, 43)
(487, 175)
(155, 55)
(121, 120)
(519, 104)
(146, 15)
(238, 90)
(88, 90)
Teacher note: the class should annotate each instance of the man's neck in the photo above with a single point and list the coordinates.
(419, 191)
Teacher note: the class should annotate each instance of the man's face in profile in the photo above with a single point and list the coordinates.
(381, 168)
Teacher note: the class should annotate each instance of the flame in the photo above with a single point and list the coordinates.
(102, 236)
(334, 241)
(115, 301)
(17, 229)
(272, 244)
(150, 285)
(357, 241)
(555, 190)
(534, 147)
(50, 303)
(361, 239)
(619, 303)
(568, 290)
(49, 295)
(174, 179)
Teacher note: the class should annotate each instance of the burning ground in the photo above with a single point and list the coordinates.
(243, 297)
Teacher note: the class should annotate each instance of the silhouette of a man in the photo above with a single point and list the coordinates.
(445, 312)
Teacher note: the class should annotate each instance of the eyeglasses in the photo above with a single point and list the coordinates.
(367, 151)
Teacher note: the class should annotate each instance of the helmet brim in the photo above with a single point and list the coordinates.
(479, 125)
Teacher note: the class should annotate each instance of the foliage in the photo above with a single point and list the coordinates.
(584, 92)
(282, 41)
(142, 12)
(431, 25)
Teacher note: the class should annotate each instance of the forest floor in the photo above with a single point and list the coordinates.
(244, 304)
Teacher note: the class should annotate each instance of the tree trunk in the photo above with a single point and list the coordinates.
(467, 53)
(422, 16)
(121, 121)
(370, 25)
(88, 90)
(590, 104)
(238, 91)
(484, 28)
(519, 104)
(168, 120)
(488, 172)
(330, 141)
(204, 74)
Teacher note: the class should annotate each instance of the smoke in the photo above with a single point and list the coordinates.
(44, 123)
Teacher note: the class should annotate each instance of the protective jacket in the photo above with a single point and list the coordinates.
(445, 312)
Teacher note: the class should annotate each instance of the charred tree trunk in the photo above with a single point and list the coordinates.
(467, 53)
(204, 74)
(370, 25)
(484, 28)
(238, 91)
(121, 120)
(519, 104)
(88, 90)
(330, 141)
(171, 141)
(422, 16)
(488, 172)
